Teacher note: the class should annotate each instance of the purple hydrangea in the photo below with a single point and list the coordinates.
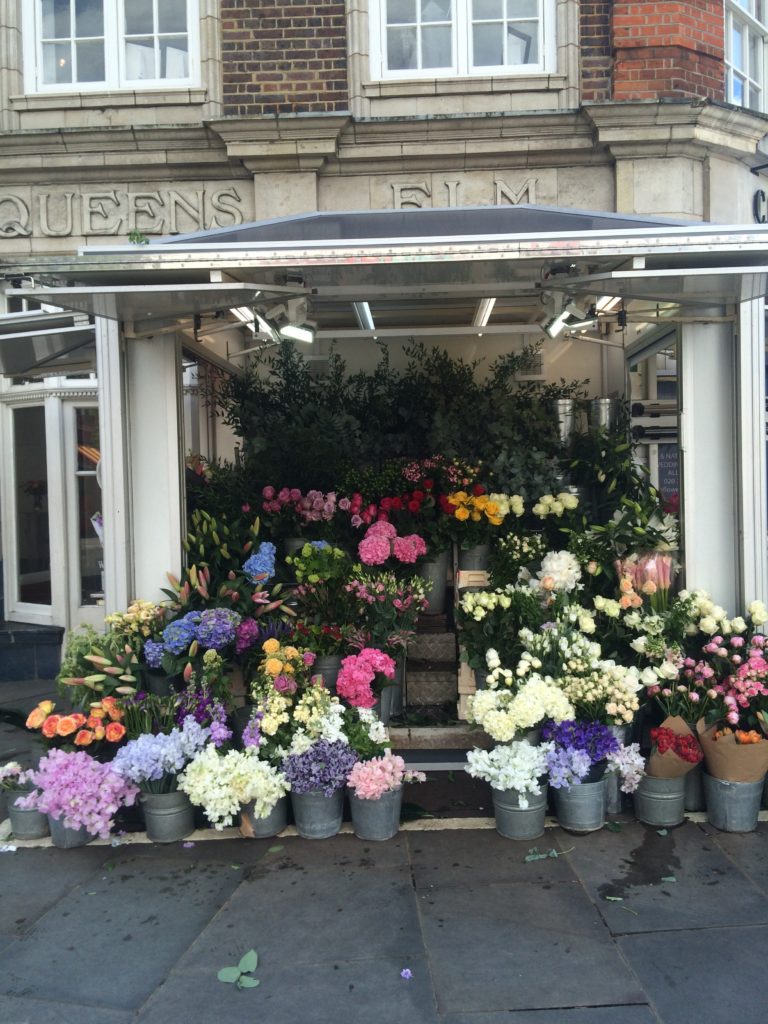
(153, 762)
(178, 635)
(260, 567)
(216, 628)
(325, 766)
(246, 635)
(153, 653)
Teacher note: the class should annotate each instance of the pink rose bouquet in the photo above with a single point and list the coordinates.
(357, 674)
(370, 780)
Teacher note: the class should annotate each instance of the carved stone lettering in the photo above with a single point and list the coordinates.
(97, 216)
(14, 217)
(224, 201)
(64, 225)
(143, 215)
(401, 200)
(514, 196)
(452, 187)
(192, 207)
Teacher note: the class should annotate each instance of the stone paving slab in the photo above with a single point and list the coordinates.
(33, 883)
(623, 872)
(143, 915)
(363, 992)
(521, 947)
(350, 914)
(711, 975)
(440, 859)
(748, 850)
(581, 1015)
(36, 1011)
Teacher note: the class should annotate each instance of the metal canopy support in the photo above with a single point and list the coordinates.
(708, 443)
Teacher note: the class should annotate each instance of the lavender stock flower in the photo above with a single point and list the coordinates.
(325, 766)
(593, 738)
(252, 732)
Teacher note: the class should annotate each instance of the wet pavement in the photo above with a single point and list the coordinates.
(622, 927)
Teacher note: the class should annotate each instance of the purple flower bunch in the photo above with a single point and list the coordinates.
(593, 738)
(325, 766)
(207, 711)
(217, 628)
(213, 629)
(153, 762)
(250, 632)
(252, 731)
(260, 566)
(84, 792)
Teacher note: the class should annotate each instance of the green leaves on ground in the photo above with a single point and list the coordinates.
(535, 854)
(241, 974)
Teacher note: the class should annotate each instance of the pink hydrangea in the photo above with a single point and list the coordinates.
(374, 550)
(356, 676)
(381, 528)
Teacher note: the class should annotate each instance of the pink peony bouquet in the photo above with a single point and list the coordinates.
(354, 683)
(381, 542)
(370, 780)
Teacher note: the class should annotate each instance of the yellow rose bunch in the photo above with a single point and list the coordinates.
(141, 618)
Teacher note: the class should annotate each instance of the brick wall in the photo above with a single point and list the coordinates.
(288, 57)
(595, 44)
(668, 50)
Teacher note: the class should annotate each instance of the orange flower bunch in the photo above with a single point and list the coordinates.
(103, 722)
(742, 735)
(629, 596)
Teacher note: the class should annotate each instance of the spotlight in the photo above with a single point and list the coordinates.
(298, 332)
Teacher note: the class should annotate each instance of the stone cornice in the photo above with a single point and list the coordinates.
(298, 142)
(646, 129)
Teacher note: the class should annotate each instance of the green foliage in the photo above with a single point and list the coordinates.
(96, 665)
(241, 974)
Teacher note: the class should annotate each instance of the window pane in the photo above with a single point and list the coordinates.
(522, 43)
(89, 18)
(401, 12)
(754, 98)
(737, 46)
(401, 49)
(89, 545)
(488, 43)
(173, 57)
(56, 24)
(57, 64)
(172, 16)
(755, 51)
(436, 10)
(139, 17)
(88, 451)
(140, 59)
(738, 90)
(436, 47)
(90, 61)
(483, 10)
(522, 8)
(34, 567)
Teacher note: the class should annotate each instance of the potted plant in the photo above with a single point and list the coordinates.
(317, 778)
(363, 681)
(237, 783)
(376, 795)
(517, 775)
(153, 763)
(26, 822)
(79, 794)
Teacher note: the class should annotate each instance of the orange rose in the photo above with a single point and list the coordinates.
(47, 706)
(84, 738)
(108, 702)
(79, 719)
(273, 666)
(50, 725)
(93, 722)
(115, 732)
(97, 711)
(66, 725)
(115, 713)
(36, 718)
(271, 646)
(99, 733)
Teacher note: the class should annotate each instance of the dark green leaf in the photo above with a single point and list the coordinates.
(274, 849)
(668, 878)
(613, 826)
(614, 899)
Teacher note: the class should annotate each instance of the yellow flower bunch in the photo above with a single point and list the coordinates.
(479, 507)
(276, 711)
(142, 618)
(279, 660)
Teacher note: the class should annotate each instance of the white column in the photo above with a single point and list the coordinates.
(157, 485)
(114, 469)
(708, 456)
(750, 409)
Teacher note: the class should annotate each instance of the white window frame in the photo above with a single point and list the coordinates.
(461, 46)
(114, 54)
(737, 12)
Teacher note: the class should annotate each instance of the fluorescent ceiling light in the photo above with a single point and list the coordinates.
(607, 303)
(364, 316)
(557, 325)
(267, 328)
(244, 314)
(483, 312)
(582, 325)
(298, 332)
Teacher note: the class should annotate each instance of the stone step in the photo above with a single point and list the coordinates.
(433, 647)
(452, 737)
(431, 687)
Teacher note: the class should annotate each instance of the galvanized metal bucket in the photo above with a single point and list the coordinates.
(168, 817)
(435, 572)
(516, 822)
(582, 807)
(377, 820)
(733, 806)
(271, 824)
(563, 411)
(603, 413)
(384, 705)
(26, 823)
(695, 799)
(68, 838)
(318, 816)
(660, 802)
(614, 797)
(327, 666)
(474, 558)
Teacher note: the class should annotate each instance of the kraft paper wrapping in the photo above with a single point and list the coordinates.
(730, 761)
(669, 765)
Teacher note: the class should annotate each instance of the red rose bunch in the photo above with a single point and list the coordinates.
(687, 747)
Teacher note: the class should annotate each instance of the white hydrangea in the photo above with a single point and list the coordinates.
(504, 713)
(758, 613)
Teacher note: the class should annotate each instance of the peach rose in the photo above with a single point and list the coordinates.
(270, 646)
(93, 722)
(273, 666)
(66, 725)
(115, 732)
(36, 718)
(98, 734)
(84, 738)
(79, 719)
(50, 725)
(115, 713)
(625, 585)
(291, 652)
(97, 711)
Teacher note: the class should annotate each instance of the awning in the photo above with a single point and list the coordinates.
(44, 344)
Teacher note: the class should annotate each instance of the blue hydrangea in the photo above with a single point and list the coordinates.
(153, 762)
(320, 544)
(153, 653)
(217, 628)
(260, 567)
(178, 635)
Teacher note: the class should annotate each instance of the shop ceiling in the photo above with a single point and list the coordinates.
(396, 273)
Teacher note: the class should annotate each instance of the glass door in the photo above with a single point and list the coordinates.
(30, 485)
(84, 514)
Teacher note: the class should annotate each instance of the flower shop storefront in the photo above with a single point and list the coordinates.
(607, 629)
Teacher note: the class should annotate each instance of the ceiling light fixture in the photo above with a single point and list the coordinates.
(483, 312)
(608, 303)
(298, 332)
(363, 316)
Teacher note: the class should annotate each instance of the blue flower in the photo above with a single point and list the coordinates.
(320, 544)
(178, 635)
(153, 653)
(217, 628)
(260, 567)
